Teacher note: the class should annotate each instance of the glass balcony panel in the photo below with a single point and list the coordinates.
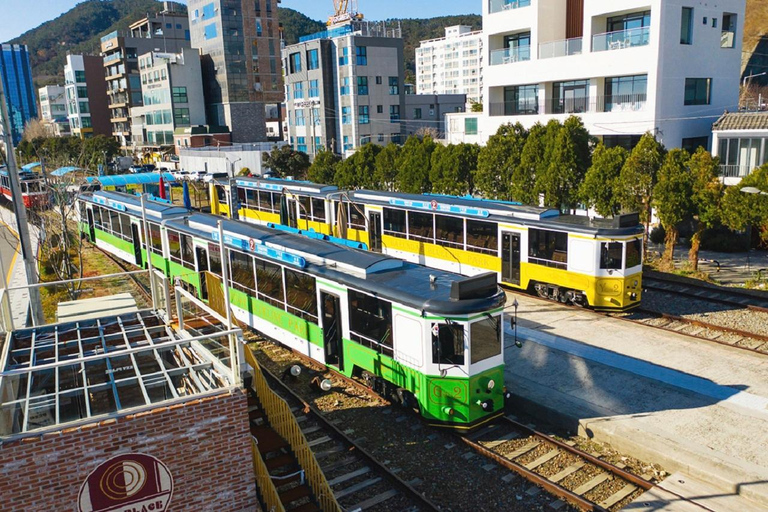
(562, 48)
(510, 55)
(506, 5)
(621, 39)
(515, 108)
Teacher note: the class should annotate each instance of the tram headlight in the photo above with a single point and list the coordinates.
(295, 370)
(491, 385)
(635, 283)
(448, 411)
(487, 405)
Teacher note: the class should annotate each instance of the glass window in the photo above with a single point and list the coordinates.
(156, 239)
(181, 116)
(180, 95)
(265, 202)
(686, 26)
(625, 93)
(344, 56)
(300, 119)
(363, 114)
(370, 322)
(318, 210)
(485, 339)
(520, 100)
(448, 344)
(394, 113)
(301, 299)
(634, 253)
(629, 21)
(394, 87)
(728, 31)
(357, 216)
(214, 257)
(82, 92)
(482, 237)
(295, 62)
(420, 227)
(611, 255)
(346, 115)
(210, 31)
(313, 62)
(698, 91)
(470, 126)
(174, 245)
(269, 279)
(361, 53)
(549, 248)
(298, 90)
(314, 89)
(449, 231)
(345, 89)
(187, 252)
(417, 113)
(570, 97)
(362, 86)
(242, 271)
(394, 223)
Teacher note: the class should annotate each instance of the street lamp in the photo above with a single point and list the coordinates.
(754, 190)
(746, 78)
(513, 323)
(232, 190)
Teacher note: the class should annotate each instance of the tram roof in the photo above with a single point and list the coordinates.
(142, 178)
(120, 200)
(412, 285)
(277, 185)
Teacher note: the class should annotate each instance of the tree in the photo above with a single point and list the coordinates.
(286, 162)
(498, 160)
(413, 165)
(475, 106)
(553, 128)
(323, 169)
(531, 162)
(97, 150)
(598, 190)
(741, 209)
(706, 198)
(35, 129)
(386, 168)
(638, 177)
(568, 165)
(672, 199)
(453, 167)
(358, 169)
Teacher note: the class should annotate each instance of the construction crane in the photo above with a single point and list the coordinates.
(344, 10)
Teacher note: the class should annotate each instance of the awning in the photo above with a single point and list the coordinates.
(61, 171)
(143, 178)
(30, 167)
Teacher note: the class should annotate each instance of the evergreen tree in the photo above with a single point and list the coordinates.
(323, 169)
(413, 165)
(531, 161)
(598, 188)
(498, 160)
(742, 210)
(672, 199)
(706, 199)
(568, 165)
(453, 168)
(386, 168)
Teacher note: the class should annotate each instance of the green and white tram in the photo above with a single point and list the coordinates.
(430, 338)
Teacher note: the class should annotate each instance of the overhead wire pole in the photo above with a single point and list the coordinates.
(30, 259)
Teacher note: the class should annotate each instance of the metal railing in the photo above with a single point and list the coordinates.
(561, 48)
(112, 58)
(515, 108)
(506, 5)
(621, 39)
(267, 489)
(577, 105)
(282, 420)
(510, 55)
(735, 170)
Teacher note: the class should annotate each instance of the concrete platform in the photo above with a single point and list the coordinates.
(694, 407)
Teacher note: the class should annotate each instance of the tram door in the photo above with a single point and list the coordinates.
(91, 226)
(288, 211)
(374, 231)
(331, 313)
(510, 257)
(202, 268)
(136, 244)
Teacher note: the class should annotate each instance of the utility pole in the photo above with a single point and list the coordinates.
(22, 228)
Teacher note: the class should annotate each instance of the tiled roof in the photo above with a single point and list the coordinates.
(742, 121)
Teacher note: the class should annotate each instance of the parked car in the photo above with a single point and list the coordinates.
(181, 175)
(142, 168)
(215, 176)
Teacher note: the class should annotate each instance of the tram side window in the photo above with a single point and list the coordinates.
(634, 253)
(305, 208)
(265, 202)
(269, 279)
(448, 344)
(214, 256)
(611, 255)
(125, 227)
(241, 196)
(485, 339)
(97, 217)
(420, 227)
(449, 231)
(394, 223)
(114, 219)
(318, 210)
(357, 216)
(242, 271)
(301, 295)
(251, 198)
(156, 239)
(549, 248)
(221, 194)
(482, 237)
(187, 252)
(174, 245)
(370, 322)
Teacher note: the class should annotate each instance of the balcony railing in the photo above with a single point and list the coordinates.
(509, 55)
(727, 39)
(735, 171)
(506, 5)
(579, 105)
(112, 58)
(621, 39)
(515, 108)
(562, 48)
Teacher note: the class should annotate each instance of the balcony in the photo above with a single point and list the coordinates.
(577, 105)
(561, 48)
(735, 171)
(113, 58)
(510, 55)
(506, 5)
(621, 39)
(515, 108)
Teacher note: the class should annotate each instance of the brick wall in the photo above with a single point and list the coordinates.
(205, 443)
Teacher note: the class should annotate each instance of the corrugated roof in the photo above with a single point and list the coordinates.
(30, 167)
(144, 178)
(742, 121)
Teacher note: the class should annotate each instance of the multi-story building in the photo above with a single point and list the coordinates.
(344, 88)
(240, 44)
(425, 113)
(53, 110)
(16, 75)
(740, 140)
(452, 64)
(669, 67)
(172, 89)
(86, 96)
(167, 32)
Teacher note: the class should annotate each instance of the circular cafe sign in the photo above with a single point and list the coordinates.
(127, 483)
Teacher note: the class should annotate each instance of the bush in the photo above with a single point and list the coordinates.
(658, 235)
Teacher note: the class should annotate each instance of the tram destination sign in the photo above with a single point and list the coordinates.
(434, 205)
(256, 247)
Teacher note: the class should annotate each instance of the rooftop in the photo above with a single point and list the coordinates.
(742, 121)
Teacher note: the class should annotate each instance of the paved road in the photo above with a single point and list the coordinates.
(8, 247)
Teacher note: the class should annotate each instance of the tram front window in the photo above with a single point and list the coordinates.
(634, 253)
(448, 344)
(485, 339)
(611, 255)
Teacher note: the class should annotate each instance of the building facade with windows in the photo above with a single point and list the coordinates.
(172, 97)
(240, 44)
(86, 96)
(740, 140)
(452, 64)
(167, 32)
(16, 75)
(53, 110)
(669, 67)
(344, 88)
(426, 112)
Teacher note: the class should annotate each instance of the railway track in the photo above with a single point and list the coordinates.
(359, 481)
(706, 292)
(574, 476)
(143, 288)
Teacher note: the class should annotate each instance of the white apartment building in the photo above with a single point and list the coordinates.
(452, 64)
(670, 67)
(53, 110)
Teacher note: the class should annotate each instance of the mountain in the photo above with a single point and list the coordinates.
(755, 56)
(295, 25)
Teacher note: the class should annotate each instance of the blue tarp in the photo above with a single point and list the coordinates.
(30, 167)
(143, 178)
(61, 171)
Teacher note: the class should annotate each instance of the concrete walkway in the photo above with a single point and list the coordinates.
(730, 269)
(14, 267)
(691, 406)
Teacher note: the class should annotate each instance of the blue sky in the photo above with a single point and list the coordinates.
(18, 16)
